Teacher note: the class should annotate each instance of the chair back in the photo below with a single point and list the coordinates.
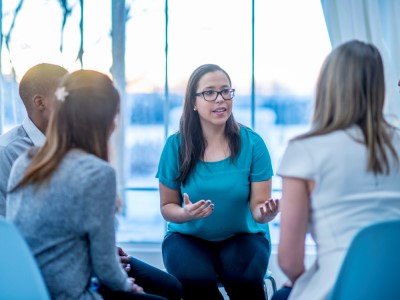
(20, 277)
(371, 265)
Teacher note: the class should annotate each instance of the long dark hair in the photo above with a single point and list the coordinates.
(351, 91)
(193, 144)
(83, 119)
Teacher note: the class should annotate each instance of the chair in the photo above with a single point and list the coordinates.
(20, 277)
(268, 276)
(371, 265)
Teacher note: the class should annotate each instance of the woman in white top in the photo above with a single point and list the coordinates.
(341, 175)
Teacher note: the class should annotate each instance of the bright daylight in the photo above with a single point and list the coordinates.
(223, 149)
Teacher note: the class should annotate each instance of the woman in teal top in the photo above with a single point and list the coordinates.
(215, 189)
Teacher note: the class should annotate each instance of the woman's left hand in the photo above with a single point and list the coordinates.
(124, 259)
(269, 209)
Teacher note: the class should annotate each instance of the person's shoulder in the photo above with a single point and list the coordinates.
(23, 160)
(353, 132)
(319, 144)
(305, 142)
(249, 134)
(83, 171)
(174, 140)
(175, 137)
(13, 144)
(247, 130)
(86, 164)
(15, 137)
(20, 164)
(10, 135)
(395, 133)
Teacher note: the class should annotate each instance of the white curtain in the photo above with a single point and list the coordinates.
(376, 22)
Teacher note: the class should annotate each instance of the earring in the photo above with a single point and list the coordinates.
(194, 108)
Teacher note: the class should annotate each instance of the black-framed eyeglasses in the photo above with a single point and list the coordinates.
(226, 94)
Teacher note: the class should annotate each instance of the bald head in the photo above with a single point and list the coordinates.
(41, 79)
(36, 90)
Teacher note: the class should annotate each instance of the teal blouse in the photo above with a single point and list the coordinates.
(225, 183)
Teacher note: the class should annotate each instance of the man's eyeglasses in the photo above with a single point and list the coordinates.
(226, 94)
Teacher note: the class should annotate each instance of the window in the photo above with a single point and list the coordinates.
(33, 33)
(288, 53)
(272, 51)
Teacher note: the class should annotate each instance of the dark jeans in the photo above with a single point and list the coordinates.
(239, 263)
(282, 294)
(156, 283)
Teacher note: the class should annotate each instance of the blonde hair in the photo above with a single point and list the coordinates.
(351, 91)
(83, 118)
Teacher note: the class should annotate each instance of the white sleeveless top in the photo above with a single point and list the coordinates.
(345, 199)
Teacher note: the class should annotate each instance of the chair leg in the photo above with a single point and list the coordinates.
(273, 284)
(265, 290)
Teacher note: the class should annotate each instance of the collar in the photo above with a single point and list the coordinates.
(36, 136)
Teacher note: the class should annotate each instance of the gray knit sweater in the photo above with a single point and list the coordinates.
(69, 225)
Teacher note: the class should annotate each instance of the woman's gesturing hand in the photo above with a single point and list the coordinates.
(269, 209)
(200, 209)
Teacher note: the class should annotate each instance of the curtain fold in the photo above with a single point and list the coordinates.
(371, 21)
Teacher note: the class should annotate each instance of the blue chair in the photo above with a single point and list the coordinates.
(371, 265)
(20, 277)
(268, 276)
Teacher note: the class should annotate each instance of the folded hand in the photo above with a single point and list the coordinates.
(125, 259)
(136, 288)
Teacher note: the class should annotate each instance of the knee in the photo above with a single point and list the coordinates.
(282, 294)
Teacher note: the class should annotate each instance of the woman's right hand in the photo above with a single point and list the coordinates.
(200, 209)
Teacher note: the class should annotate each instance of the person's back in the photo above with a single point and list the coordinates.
(346, 199)
(341, 175)
(57, 219)
(62, 196)
(36, 90)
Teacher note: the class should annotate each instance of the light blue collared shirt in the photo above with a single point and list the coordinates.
(37, 137)
(12, 144)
